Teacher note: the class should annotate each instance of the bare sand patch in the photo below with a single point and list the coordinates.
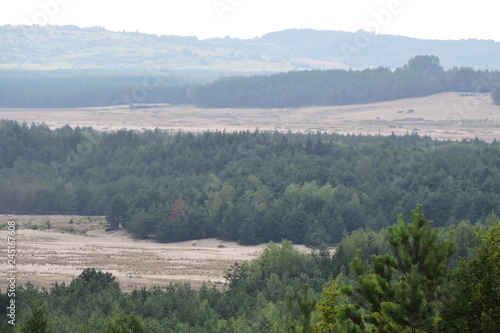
(45, 257)
(444, 116)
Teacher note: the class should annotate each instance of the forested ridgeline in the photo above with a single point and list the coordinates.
(249, 187)
(404, 278)
(422, 76)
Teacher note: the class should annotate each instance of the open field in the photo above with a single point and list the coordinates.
(45, 256)
(443, 116)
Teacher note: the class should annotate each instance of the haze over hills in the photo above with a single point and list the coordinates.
(71, 47)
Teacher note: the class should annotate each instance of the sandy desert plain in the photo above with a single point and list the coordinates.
(73, 243)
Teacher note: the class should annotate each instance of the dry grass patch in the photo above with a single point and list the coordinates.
(443, 116)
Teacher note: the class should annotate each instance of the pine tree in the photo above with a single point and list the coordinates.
(473, 304)
(306, 307)
(124, 321)
(327, 307)
(496, 95)
(116, 212)
(291, 324)
(36, 321)
(401, 292)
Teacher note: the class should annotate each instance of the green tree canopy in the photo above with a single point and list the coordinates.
(401, 291)
(124, 321)
(474, 303)
(36, 320)
(327, 308)
(117, 212)
(424, 63)
(496, 96)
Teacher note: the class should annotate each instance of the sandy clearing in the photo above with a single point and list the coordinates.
(44, 257)
(443, 116)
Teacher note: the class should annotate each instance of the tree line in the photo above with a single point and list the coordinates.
(496, 96)
(250, 187)
(73, 88)
(408, 277)
(421, 76)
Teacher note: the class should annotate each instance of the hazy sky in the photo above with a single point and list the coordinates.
(431, 19)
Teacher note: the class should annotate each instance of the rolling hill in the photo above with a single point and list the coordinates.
(71, 47)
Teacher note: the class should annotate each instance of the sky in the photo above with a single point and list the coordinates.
(428, 19)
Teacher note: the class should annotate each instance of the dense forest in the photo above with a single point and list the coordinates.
(496, 96)
(249, 187)
(421, 76)
(410, 277)
(73, 88)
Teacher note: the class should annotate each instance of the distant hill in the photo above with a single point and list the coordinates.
(71, 47)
